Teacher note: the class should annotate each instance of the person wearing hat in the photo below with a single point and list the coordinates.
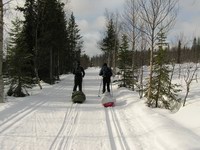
(79, 73)
(106, 73)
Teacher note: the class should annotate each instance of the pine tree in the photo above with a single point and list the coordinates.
(29, 30)
(63, 51)
(52, 39)
(85, 61)
(163, 93)
(124, 62)
(195, 50)
(75, 42)
(108, 43)
(18, 62)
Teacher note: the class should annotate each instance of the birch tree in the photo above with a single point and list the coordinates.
(130, 21)
(156, 15)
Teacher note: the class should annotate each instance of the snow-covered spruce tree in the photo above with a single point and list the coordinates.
(163, 93)
(125, 63)
(18, 62)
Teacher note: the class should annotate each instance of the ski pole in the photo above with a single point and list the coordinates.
(100, 88)
(111, 89)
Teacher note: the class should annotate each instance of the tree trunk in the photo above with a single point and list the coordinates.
(58, 66)
(151, 66)
(171, 77)
(51, 66)
(186, 95)
(35, 60)
(133, 67)
(1, 54)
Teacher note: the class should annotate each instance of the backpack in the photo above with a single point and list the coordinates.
(106, 72)
(78, 70)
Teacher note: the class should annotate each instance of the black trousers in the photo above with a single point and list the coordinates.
(77, 83)
(106, 83)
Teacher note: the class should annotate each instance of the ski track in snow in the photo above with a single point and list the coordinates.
(48, 120)
(65, 134)
(16, 118)
(114, 126)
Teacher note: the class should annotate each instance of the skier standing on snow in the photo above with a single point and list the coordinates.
(79, 73)
(106, 73)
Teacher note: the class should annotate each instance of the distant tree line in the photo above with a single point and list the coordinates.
(178, 54)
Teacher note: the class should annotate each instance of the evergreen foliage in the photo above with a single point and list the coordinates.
(163, 93)
(108, 43)
(53, 41)
(45, 42)
(85, 61)
(29, 30)
(18, 59)
(196, 49)
(74, 42)
(124, 59)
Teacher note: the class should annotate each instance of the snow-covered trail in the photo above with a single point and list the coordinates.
(48, 120)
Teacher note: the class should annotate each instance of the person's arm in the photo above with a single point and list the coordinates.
(83, 72)
(101, 72)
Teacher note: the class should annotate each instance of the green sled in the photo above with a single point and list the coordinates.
(78, 97)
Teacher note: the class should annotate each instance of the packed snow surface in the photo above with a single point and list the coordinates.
(48, 120)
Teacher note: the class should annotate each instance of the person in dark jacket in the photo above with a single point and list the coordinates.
(106, 73)
(79, 73)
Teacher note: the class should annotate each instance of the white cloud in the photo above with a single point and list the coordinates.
(83, 25)
(92, 8)
(100, 22)
(90, 46)
(91, 34)
(89, 15)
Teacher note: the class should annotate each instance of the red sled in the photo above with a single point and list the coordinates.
(109, 104)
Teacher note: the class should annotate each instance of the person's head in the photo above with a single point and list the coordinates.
(78, 63)
(105, 64)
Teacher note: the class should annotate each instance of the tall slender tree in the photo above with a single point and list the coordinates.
(29, 29)
(131, 21)
(1, 53)
(117, 24)
(108, 43)
(51, 39)
(124, 62)
(18, 61)
(164, 93)
(75, 42)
